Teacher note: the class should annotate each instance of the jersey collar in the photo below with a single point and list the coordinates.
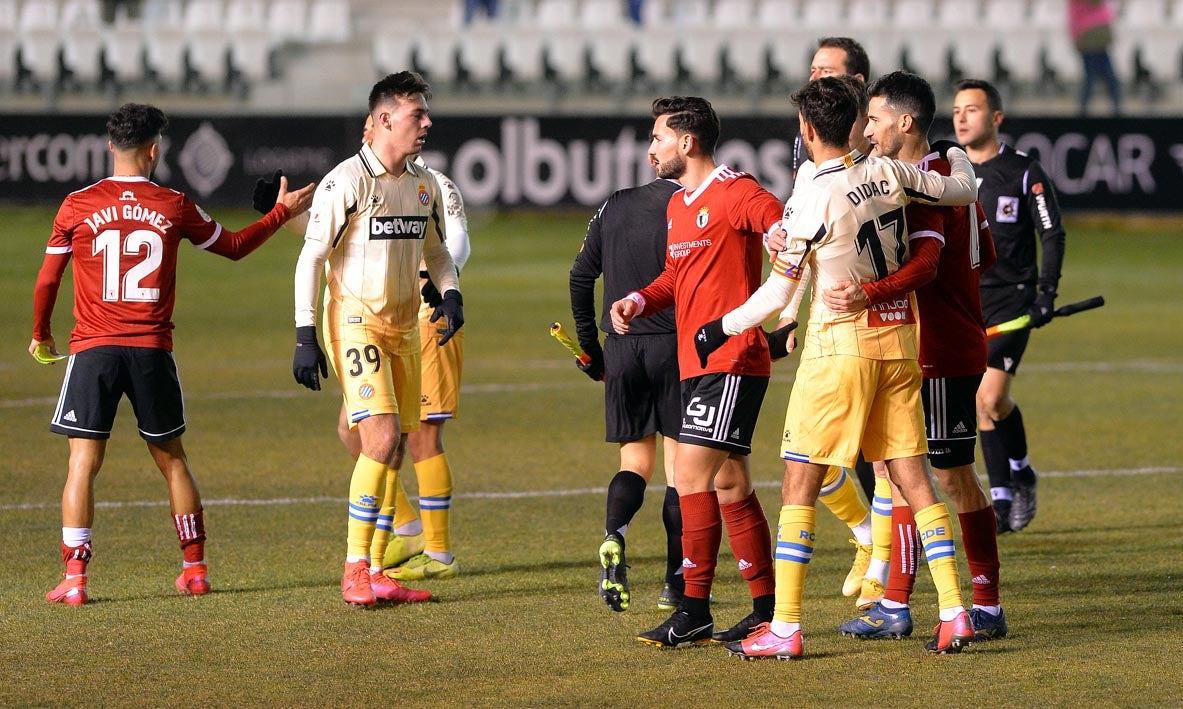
(691, 196)
(847, 161)
(128, 178)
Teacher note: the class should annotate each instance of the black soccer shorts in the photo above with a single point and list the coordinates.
(998, 306)
(642, 395)
(720, 411)
(97, 378)
(950, 418)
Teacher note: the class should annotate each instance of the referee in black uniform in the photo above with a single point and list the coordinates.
(626, 243)
(1020, 203)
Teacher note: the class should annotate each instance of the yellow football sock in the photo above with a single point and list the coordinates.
(435, 502)
(404, 511)
(385, 525)
(841, 496)
(881, 520)
(365, 490)
(936, 534)
(794, 549)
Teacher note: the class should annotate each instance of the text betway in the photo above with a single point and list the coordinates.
(398, 227)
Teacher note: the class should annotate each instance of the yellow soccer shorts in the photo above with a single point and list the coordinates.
(442, 367)
(379, 373)
(841, 403)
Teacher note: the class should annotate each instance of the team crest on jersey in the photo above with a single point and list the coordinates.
(128, 196)
(704, 215)
(424, 198)
(365, 391)
(1008, 210)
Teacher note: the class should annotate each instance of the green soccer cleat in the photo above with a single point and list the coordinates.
(422, 567)
(400, 548)
(614, 574)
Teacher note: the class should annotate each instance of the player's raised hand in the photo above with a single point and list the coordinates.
(622, 312)
(297, 202)
(266, 192)
(709, 338)
(845, 297)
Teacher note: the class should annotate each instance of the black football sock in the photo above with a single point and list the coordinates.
(671, 515)
(626, 494)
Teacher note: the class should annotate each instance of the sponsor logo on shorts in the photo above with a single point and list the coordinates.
(70, 417)
(398, 227)
(353, 319)
(960, 428)
(700, 414)
(895, 312)
(365, 391)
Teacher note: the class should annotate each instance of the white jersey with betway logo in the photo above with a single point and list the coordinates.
(847, 224)
(371, 229)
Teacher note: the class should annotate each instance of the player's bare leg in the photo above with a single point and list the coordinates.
(86, 458)
(188, 518)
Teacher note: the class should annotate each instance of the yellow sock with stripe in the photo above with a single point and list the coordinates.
(794, 549)
(435, 505)
(365, 494)
(385, 525)
(404, 511)
(880, 531)
(936, 535)
(840, 495)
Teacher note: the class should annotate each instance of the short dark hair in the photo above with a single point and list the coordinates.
(993, 98)
(859, 87)
(857, 61)
(135, 125)
(830, 106)
(690, 114)
(400, 85)
(907, 93)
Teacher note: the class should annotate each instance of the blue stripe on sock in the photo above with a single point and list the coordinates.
(833, 487)
(435, 503)
(385, 523)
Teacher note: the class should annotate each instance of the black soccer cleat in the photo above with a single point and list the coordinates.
(1022, 509)
(1002, 516)
(742, 629)
(681, 627)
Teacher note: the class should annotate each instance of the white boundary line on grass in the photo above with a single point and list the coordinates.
(525, 494)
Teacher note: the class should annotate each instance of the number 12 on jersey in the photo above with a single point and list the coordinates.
(128, 289)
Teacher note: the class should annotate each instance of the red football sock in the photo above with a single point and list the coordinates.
(191, 533)
(751, 543)
(702, 531)
(979, 534)
(905, 555)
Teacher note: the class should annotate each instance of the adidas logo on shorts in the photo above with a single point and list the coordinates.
(70, 417)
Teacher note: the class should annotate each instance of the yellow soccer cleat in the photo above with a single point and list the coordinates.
(400, 548)
(871, 594)
(422, 567)
(862, 559)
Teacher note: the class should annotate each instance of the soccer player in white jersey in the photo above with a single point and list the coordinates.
(375, 219)
(858, 384)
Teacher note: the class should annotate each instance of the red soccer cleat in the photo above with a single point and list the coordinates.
(71, 591)
(387, 589)
(951, 635)
(194, 580)
(355, 584)
(762, 642)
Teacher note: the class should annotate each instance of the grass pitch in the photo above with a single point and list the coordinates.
(1092, 589)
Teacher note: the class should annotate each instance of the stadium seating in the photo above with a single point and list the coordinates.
(81, 30)
(39, 44)
(8, 44)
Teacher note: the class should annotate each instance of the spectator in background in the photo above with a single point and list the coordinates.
(474, 7)
(1091, 24)
(636, 9)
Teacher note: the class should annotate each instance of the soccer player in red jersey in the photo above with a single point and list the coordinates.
(950, 247)
(123, 234)
(716, 225)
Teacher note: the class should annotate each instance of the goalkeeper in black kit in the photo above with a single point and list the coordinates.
(626, 244)
(1020, 202)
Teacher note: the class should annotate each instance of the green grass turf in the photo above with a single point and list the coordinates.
(1092, 588)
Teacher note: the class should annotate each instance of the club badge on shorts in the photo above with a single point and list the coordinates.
(704, 214)
(365, 391)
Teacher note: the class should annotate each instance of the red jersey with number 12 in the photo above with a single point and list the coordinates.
(123, 234)
(714, 253)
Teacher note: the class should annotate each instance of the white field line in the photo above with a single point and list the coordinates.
(525, 494)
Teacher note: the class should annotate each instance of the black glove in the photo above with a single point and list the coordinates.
(452, 307)
(1043, 309)
(942, 147)
(308, 358)
(778, 340)
(431, 294)
(709, 338)
(266, 192)
(595, 366)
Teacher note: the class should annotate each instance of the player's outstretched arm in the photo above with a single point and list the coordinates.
(296, 202)
(959, 188)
